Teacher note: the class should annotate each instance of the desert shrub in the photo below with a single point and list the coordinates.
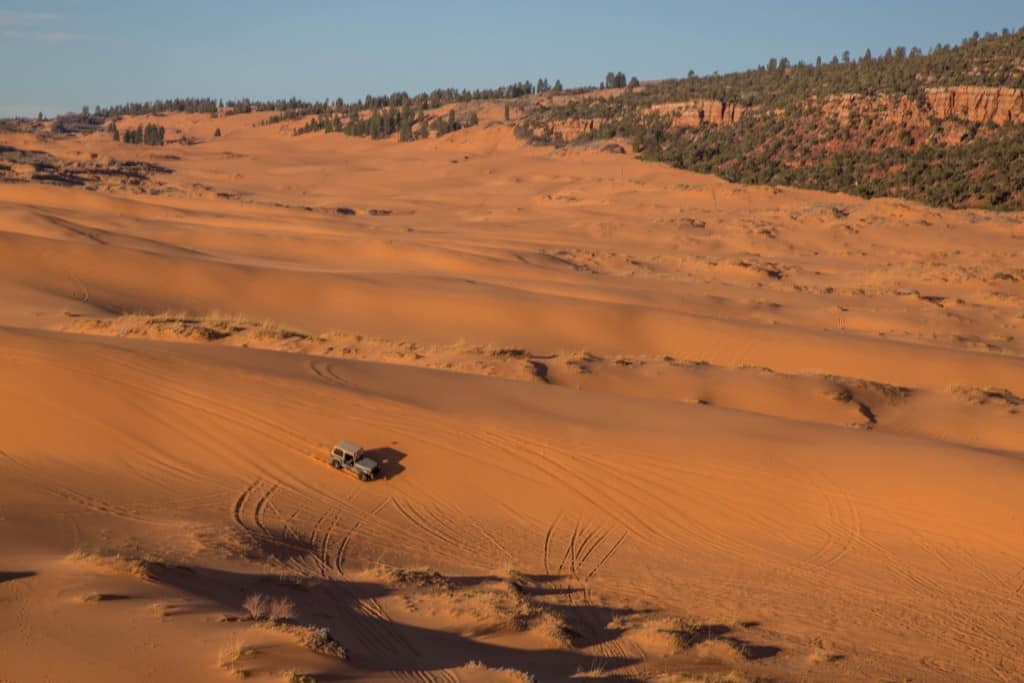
(319, 639)
(281, 609)
(257, 606)
(296, 677)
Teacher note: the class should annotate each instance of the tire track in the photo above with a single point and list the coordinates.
(258, 511)
(547, 543)
(846, 528)
(386, 637)
(608, 555)
(339, 557)
(433, 526)
(239, 505)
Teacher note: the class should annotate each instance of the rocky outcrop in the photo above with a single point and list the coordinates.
(693, 113)
(977, 103)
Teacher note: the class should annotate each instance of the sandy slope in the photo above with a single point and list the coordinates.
(641, 423)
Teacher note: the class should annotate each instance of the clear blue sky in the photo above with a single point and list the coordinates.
(56, 56)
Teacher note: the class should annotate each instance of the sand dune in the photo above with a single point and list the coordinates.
(636, 424)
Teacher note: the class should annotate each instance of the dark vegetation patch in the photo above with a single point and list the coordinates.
(20, 165)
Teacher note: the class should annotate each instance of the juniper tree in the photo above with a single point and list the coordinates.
(405, 134)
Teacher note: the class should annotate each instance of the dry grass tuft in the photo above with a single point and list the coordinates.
(294, 581)
(984, 395)
(516, 581)
(731, 677)
(669, 634)
(823, 656)
(296, 677)
(721, 650)
(314, 638)
(555, 628)
(268, 329)
(231, 655)
(595, 671)
(100, 597)
(824, 653)
(845, 388)
(476, 667)
(509, 352)
(523, 613)
(422, 577)
(147, 570)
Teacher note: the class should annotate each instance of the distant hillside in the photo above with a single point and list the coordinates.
(943, 126)
(946, 127)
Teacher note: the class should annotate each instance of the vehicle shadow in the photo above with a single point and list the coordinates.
(389, 459)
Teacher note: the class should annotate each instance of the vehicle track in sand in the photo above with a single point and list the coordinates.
(576, 570)
(82, 500)
(346, 540)
(425, 676)
(842, 524)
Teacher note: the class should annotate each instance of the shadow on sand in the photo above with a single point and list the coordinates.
(12, 576)
(389, 459)
(375, 642)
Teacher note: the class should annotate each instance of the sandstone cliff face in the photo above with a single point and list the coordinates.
(897, 109)
(971, 103)
(692, 113)
(977, 103)
(570, 129)
(952, 105)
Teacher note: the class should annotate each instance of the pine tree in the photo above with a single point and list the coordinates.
(216, 133)
(405, 134)
(507, 113)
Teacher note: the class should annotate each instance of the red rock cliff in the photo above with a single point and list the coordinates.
(977, 103)
(692, 113)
